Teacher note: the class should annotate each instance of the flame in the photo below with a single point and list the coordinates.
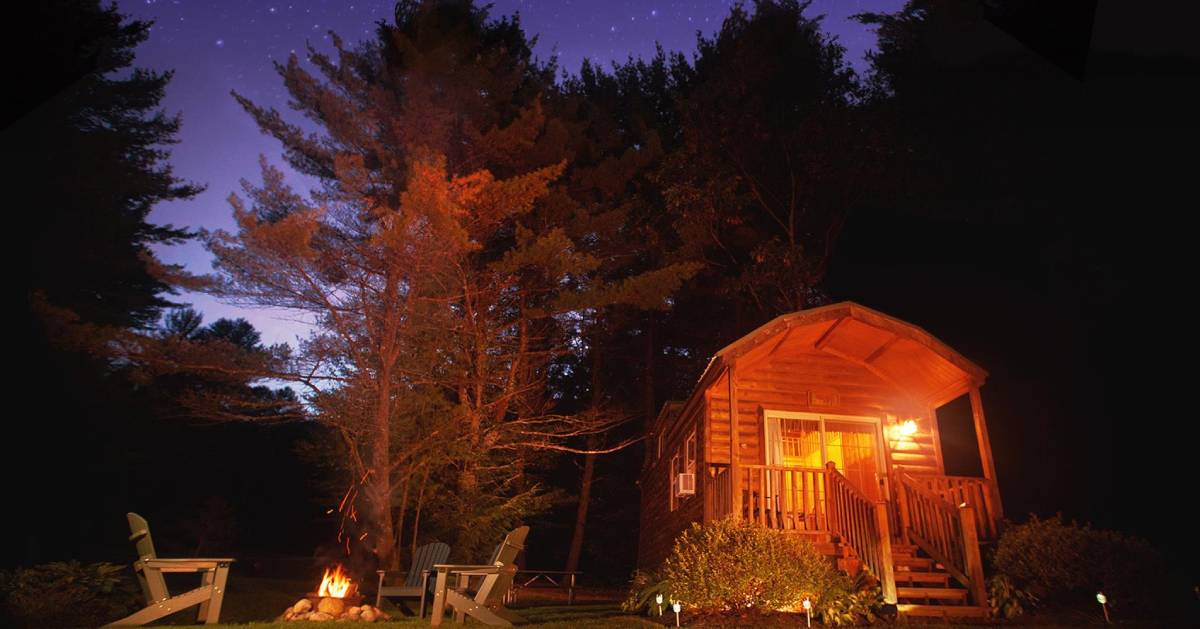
(335, 584)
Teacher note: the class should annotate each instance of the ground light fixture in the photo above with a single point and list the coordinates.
(807, 605)
(1103, 600)
(658, 601)
(676, 607)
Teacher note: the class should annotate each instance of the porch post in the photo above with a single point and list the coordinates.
(735, 472)
(985, 449)
(972, 561)
(887, 578)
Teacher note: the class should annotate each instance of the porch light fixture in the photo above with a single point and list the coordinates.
(908, 428)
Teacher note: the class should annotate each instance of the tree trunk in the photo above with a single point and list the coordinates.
(589, 468)
(416, 528)
(379, 478)
(585, 493)
(399, 521)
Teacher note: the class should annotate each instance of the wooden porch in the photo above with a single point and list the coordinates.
(944, 517)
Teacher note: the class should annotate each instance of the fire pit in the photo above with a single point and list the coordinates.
(337, 599)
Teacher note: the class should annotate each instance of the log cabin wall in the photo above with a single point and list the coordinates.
(659, 524)
(811, 380)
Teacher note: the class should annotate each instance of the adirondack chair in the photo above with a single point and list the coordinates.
(416, 583)
(486, 603)
(150, 569)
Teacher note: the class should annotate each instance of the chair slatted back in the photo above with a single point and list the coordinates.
(139, 534)
(424, 559)
(495, 586)
(154, 586)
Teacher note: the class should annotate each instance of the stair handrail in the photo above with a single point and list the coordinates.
(862, 524)
(981, 492)
(946, 532)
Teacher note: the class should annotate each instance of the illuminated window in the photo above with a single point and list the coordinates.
(690, 453)
(852, 446)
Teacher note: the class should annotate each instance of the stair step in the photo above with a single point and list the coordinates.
(941, 594)
(912, 577)
(942, 611)
(913, 562)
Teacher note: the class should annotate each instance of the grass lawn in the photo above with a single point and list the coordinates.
(549, 617)
(253, 603)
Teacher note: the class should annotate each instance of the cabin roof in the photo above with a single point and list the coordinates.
(899, 352)
(668, 412)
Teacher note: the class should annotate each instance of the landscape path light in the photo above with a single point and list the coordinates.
(1103, 600)
(676, 606)
(807, 605)
(658, 601)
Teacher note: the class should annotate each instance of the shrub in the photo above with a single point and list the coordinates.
(1062, 564)
(66, 594)
(851, 602)
(642, 589)
(729, 565)
(1007, 600)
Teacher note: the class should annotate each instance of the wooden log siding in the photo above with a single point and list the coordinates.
(658, 524)
(801, 382)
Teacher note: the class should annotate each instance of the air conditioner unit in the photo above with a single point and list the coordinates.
(686, 485)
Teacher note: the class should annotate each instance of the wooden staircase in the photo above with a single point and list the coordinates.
(924, 588)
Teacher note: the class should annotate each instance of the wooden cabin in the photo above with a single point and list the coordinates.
(834, 437)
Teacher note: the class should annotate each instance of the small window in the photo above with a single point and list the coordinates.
(674, 470)
(658, 455)
(690, 454)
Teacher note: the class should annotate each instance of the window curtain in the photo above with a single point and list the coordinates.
(773, 455)
(773, 439)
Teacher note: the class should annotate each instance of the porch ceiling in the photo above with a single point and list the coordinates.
(899, 353)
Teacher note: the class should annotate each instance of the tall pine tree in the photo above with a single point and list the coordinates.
(447, 274)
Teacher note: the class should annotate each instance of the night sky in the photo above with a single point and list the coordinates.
(218, 46)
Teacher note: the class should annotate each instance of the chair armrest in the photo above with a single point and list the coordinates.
(390, 573)
(187, 565)
(468, 569)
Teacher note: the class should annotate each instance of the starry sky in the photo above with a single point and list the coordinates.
(215, 46)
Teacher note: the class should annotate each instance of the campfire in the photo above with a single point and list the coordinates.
(336, 599)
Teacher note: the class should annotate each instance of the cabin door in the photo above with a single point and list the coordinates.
(810, 440)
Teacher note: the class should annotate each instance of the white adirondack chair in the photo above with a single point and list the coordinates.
(150, 569)
(486, 603)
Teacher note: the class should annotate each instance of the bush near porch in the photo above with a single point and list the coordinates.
(1054, 564)
(733, 567)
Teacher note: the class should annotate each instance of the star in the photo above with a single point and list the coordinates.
(220, 43)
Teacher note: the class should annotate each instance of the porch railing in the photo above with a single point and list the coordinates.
(777, 497)
(863, 525)
(946, 532)
(977, 492)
